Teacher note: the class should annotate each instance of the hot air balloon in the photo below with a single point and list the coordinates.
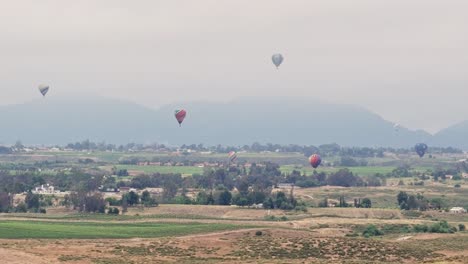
(277, 59)
(421, 149)
(232, 156)
(43, 89)
(180, 115)
(315, 160)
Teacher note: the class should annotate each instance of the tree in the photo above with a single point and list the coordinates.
(344, 178)
(402, 171)
(412, 202)
(95, 203)
(147, 200)
(21, 208)
(224, 198)
(169, 190)
(32, 200)
(323, 203)
(366, 203)
(402, 197)
(438, 203)
(202, 198)
(113, 211)
(145, 196)
(132, 198)
(124, 206)
(461, 227)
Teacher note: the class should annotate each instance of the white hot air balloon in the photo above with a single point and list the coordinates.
(43, 89)
(277, 59)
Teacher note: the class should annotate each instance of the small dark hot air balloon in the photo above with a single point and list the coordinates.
(232, 156)
(421, 149)
(180, 115)
(43, 89)
(315, 160)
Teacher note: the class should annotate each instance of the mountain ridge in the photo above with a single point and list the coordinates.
(241, 121)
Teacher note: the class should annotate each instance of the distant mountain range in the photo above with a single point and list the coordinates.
(242, 121)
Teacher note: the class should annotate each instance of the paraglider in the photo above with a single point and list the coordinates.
(232, 156)
(180, 115)
(396, 127)
(43, 89)
(315, 160)
(277, 59)
(421, 149)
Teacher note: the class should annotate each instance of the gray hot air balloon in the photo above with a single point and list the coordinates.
(277, 59)
(43, 89)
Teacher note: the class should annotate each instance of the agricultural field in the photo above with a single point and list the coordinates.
(219, 234)
(169, 232)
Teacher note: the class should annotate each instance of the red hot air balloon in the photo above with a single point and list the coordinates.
(315, 160)
(180, 115)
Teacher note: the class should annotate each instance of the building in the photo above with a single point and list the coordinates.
(285, 185)
(457, 210)
(45, 189)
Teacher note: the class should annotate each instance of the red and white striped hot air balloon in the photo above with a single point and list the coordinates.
(180, 115)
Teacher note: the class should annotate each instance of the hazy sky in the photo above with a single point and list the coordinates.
(406, 60)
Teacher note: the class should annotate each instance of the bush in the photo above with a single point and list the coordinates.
(442, 227)
(461, 227)
(113, 211)
(372, 230)
(42, 211)
(21, 208)
(420, 228)
(457, 185)
(113, 201)
(258, 233)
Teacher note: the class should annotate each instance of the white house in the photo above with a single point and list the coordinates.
(47, 189)
(458, 210)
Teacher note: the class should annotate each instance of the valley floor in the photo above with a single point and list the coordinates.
(217, 234)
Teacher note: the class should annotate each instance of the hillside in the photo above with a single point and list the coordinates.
(242, 121)
(455, 135)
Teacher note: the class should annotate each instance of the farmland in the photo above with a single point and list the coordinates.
(185, 228)
(228, 235)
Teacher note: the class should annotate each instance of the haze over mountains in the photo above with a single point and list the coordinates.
(242, 121)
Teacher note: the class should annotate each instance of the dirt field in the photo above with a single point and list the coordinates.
(244, 246)
(321, 235)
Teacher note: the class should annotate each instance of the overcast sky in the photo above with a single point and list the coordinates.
(406, 60)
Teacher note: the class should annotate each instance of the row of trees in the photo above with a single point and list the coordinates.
(325, 149)
(93, 202)
(419, 202)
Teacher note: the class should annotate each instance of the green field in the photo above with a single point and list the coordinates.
(361, 171)
(184, 170)
(89, 230)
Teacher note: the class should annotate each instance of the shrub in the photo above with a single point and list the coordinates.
(372, 230)
(420, 228)
(461, 227)
(258, 233)
(457, 185)
(113, 211)
(442, 227)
